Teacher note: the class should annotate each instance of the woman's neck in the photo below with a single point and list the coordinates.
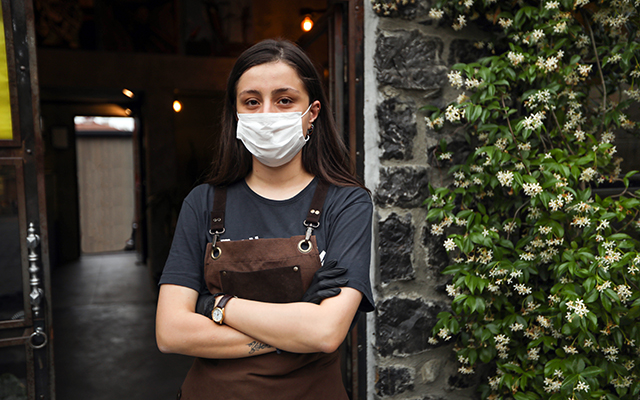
(279, 183)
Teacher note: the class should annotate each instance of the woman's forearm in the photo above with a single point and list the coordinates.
(180, 330)
(296, 327)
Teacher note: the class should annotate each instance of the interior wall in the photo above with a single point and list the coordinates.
(105, 192)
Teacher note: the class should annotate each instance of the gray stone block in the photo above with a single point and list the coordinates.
(460, 149)
(404, 326)
(394, 380)
(437, 257)
(464, 51)
(405, 187)
(397, 129)
(410, 60)
(396, 247)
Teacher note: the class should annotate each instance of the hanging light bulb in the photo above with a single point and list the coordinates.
(177, 106)
(307, 23)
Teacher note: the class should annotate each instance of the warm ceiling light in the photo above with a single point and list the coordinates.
(128, 93)
(177, 106)
(307, 23)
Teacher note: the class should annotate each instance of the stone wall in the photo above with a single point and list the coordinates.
(407, 58)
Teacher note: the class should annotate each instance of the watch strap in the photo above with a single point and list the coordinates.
(224, 300)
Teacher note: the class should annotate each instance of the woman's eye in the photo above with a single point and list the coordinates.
(285, 101)
(251, 102)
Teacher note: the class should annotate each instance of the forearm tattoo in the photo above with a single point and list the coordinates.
(256, 346)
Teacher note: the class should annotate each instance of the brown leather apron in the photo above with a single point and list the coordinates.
(269, 270)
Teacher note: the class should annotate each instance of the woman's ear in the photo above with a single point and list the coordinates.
(314, 111)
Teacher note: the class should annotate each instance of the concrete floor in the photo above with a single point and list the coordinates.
(104, 345)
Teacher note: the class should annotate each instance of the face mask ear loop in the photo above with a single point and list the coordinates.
(305, 113)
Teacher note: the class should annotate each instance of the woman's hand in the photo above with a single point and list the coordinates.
(180, 330)
(326, 283)
(296, 327)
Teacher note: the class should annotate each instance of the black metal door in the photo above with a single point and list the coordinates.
(26, 363)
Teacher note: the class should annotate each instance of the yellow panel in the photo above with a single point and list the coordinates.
(6, 132)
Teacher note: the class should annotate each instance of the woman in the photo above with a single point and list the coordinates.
(279, 202)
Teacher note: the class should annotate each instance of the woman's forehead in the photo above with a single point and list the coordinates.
(269, 77)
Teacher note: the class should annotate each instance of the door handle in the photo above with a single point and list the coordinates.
(37, 294)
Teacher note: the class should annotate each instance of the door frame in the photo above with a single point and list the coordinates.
(343, 22)
(25, 150)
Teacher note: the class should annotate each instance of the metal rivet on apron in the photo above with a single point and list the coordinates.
(305, 246)
(224, 272)
(216, 252)
(295, 269)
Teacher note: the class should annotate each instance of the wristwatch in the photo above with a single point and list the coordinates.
(218, 311)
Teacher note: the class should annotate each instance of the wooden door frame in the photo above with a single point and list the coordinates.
(26, 151)
(344, 24)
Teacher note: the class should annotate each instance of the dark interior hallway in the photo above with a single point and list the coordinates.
(103, 319)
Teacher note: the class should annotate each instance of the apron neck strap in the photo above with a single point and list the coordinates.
(313, 216)
(217, 214)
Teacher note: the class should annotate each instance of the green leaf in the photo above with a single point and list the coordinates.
(591, 371)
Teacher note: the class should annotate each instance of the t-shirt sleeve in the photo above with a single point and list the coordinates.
(349, 241)
(184, 265)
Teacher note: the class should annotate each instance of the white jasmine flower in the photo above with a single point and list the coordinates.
(515, 58)
(455, 79)
(436, 14)
(522, 289)
(460, 23)
(449, 244)
(534, 121)
(537, 35)
(532, 189)
(615, 58)
(583, 41)
(581, 222)
(528, 256)
(584, 70)
(452, 113)
(550, 5)
(532, 354)
(581, 387)
(505, 23)
(561, 27)
(472, 83)
(587, 174)
(505, 178)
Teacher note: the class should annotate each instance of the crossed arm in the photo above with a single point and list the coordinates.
(251, 327)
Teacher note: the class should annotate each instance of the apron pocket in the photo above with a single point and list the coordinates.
(275, 285)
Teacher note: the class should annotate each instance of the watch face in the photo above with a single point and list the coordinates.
(217, 315)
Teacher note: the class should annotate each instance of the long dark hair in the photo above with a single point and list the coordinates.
(324, 155)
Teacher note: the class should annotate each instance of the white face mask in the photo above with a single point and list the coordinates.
(273, 138)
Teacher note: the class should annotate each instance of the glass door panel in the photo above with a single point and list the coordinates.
(13, 372)
(12, 282)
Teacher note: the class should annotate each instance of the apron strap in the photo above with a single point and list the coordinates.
(313, 216)
(217, 214)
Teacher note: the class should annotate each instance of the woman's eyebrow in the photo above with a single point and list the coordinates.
(250, 91)
(284, 90)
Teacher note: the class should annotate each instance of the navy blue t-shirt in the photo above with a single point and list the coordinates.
(344, 233)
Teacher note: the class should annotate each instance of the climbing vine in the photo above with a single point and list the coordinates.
(540, 221)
